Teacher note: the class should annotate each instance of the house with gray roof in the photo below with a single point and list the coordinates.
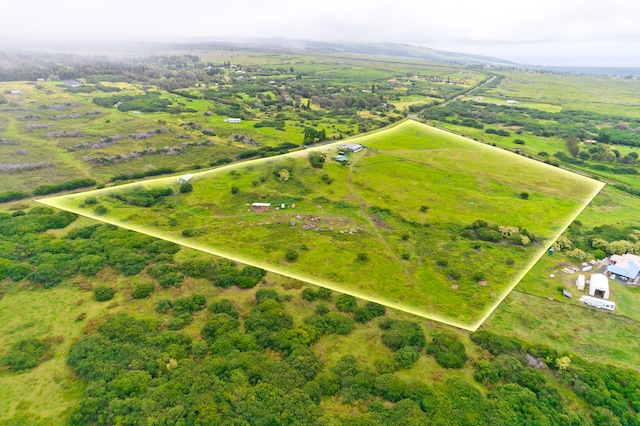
(625, 266)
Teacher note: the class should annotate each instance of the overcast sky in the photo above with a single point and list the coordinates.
(542, 32)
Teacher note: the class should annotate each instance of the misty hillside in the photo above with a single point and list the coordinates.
(386, 49)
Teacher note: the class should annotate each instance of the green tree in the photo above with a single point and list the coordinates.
(398, 334)
(405, 357)
(26, 354)
(448, 351)
(186, 187)
(142, 291)
(103, 293)
(46, 275)
(346, 303)
(291, 255)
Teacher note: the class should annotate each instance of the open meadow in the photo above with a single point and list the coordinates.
(420, 219)
(407, 283)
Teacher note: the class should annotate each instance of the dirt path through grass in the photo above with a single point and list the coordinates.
(363, 208)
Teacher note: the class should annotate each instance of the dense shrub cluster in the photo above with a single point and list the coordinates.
(103, 293)
(398, 334)
(612, 392)
(26, 354)
(484, 231)
(142, 197)
(144, 173)
(65, 186)
(267, 151)
(7, 196)
(317, 159)
(448, 351)
(148, 102)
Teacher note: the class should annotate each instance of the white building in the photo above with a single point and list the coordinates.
(353, 147)
(626, 265)
(185, 179)
(599, 286)
(260, 207)
(580, 282)
(233, 120)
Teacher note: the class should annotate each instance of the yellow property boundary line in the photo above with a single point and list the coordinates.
(62, 202)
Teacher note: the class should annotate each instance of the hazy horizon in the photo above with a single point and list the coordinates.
(544, 33)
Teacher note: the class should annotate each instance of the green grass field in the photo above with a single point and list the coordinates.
(360, 229)
(604, 95)
(536, 311)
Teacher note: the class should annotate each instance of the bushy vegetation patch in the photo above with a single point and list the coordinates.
(65, 186)
(26, 354)
(448, 351)
(103, 293)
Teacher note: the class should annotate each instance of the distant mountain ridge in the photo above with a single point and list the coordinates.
(386, 49)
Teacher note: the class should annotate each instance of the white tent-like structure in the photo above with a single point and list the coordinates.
(599, 286)
(184, 179)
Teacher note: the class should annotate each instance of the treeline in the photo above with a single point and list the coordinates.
(612, 393)
(267, 151)
(233, 354)
(47, 189)
(143, 173)
(562, 124)
(141, 370)
(65, 186)
(142, 197)
(28, 254)
(7, 196)
(601, 241)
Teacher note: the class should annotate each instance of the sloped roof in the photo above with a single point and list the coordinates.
(353, 147)
(626, 265)
(631, 271)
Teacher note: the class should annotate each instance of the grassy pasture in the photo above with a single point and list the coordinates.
(536, 311)
(497, 101)
(606, 95)
(48, 389)
(593, 334)
(366, 234)
(610, 208)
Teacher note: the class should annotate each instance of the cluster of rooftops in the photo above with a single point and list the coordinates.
(624, 266)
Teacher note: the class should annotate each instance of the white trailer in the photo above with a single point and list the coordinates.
(598, 303)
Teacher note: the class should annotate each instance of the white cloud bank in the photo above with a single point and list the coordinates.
(548, 32)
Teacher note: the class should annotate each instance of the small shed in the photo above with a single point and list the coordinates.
(341, 159)
(260, 207)
(16, 92)
(599, 286)
(233, 120)
(185, 179)
(580, 282)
